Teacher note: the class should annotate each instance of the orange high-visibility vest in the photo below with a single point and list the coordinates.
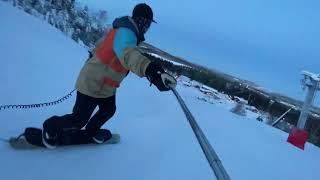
(107, 56)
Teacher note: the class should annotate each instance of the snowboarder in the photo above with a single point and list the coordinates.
(110, 62)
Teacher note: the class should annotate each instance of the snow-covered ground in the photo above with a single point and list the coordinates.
(40, 64)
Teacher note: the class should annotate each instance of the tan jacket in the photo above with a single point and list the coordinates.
(93, 75)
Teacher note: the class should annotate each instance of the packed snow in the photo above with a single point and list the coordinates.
(41, 64)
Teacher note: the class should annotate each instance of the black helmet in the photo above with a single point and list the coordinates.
(143, 10)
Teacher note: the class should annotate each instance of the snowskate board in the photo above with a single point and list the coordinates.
(32, 138)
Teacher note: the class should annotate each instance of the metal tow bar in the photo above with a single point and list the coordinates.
(207, 149)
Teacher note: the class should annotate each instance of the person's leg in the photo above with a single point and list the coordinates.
(107, 108)
(82, 111)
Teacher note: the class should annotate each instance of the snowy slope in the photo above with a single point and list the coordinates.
(40, 64)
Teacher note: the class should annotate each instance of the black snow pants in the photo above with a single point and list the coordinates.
(81, 116)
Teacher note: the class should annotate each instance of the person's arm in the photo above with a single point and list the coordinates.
(125, 47)
(126, 50)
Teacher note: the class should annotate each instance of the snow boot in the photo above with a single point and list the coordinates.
(49, 141)
(102, 136)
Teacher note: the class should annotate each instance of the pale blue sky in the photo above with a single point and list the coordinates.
(266, 41)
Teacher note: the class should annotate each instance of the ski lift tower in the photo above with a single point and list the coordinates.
(298, 135)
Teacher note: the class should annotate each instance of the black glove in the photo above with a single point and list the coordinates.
(157, 76)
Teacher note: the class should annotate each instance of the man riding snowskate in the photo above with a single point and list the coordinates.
(112, 59)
